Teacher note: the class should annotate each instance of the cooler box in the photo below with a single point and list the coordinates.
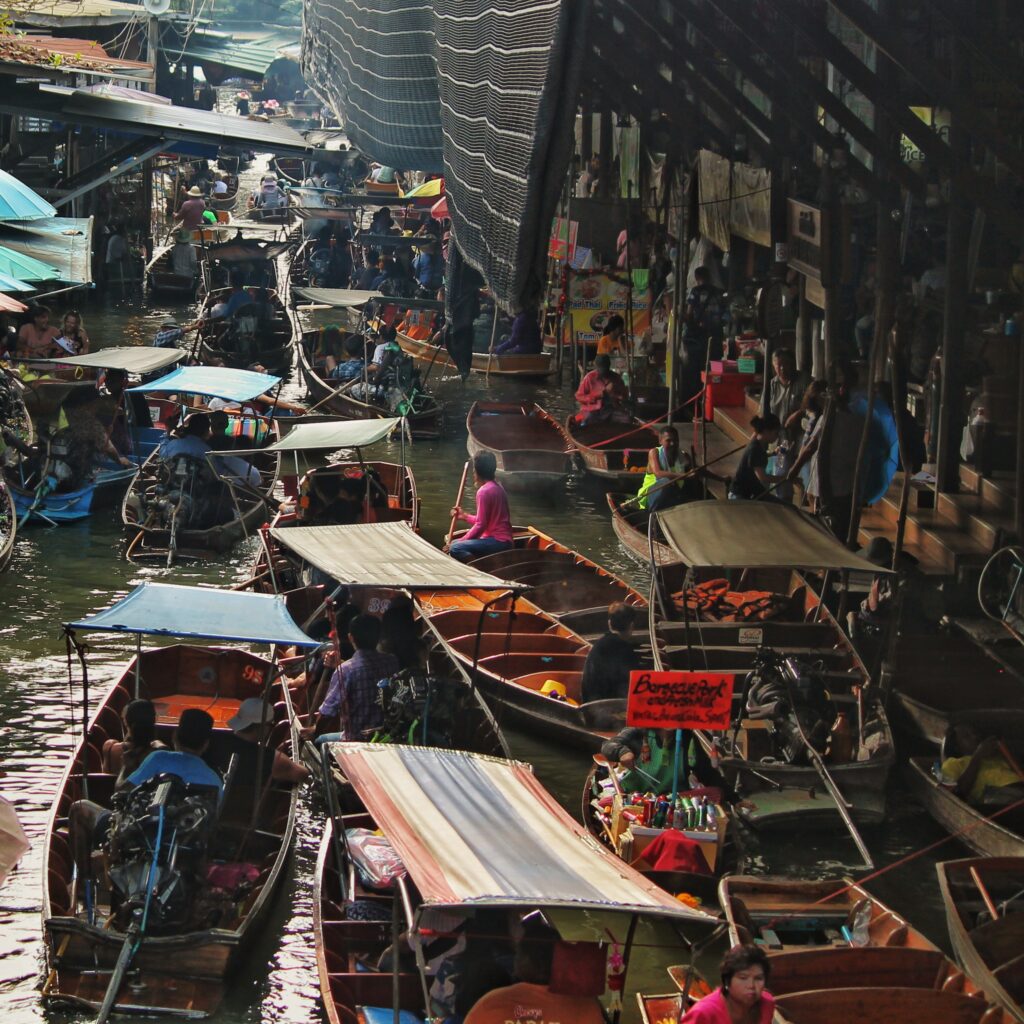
(726, 389)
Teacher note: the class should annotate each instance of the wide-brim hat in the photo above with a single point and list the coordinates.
(194, 191)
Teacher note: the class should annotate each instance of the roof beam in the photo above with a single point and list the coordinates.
(125, 165)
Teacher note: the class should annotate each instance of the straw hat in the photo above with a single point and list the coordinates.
(194, 191)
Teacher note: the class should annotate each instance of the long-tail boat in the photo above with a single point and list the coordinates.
(784, 650)
(161, 932)
(993, 830)
(531, 450)
(489, 364)
(631, 524)
(984, 899)
(260, 333)
(505, 846)
(162, 279)
(225, 200)
(613, 452)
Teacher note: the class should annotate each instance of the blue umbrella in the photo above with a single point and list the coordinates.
(25, 268)
(882, 458)
(14, 284)
(19, 202)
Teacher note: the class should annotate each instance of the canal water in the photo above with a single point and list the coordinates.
(60, 574)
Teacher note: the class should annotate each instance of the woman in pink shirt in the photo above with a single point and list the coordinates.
(491, 528)
(742, 998)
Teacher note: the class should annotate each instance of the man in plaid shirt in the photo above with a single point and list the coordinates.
(353, 690)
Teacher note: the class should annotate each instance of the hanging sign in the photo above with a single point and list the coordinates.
(680, 700)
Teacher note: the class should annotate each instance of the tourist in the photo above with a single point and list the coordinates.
(192, 440)
(491, 527)
(812, 406)
(352, 695)
(702, 326)
(525, 338)
(428, 268)
(36, 338)
(612, 657)
(742, 997)
(352, 367)
(270, 195)
(190, 213)
(664, 486)
(220, 184)
(612, 341)
(381, 223)
(602, 396)
(752, 479)
(368, 272)
(122, 757)
(399, 634)
(73, 338)
(530, 999)
(251, 726)
(238, 297)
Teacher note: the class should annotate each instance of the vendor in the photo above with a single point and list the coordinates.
(742, 997)
(648, 755)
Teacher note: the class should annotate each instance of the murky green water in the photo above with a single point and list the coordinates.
(58, 575)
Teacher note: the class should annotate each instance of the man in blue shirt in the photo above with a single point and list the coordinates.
(428, 268)
(352, 367)
(238, 297)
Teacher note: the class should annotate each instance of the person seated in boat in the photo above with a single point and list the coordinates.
(36, 336)
(743, 997)
(238, 297)
(397, 281)
(119, 410)
(73, 338)
(612, 657)
(270, 195)
(382, 223)
(192, 440)
(399, 634)
(220, 440)
(352, 696)
(984, 776)
(428, 267)
(752, 480)
(80, 448)
(364, 277)
(491, 526)
(184, 261)
(648, 755)
(351, 367)
(220, 185)
(88, 822)
(663, 486)
(123, 757)
(525, 338)
(602, 396)
(612, 342)
(250, 730)
(530, 999)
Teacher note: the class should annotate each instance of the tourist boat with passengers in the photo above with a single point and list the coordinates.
(506, 849)
(984, 900)
(185, 509)
(360, 398)
(613, 452)
(993, 827)
(226, 200)
(172, 910)
(809, 736)
(836, 953)
(532, 453)
(260, 333)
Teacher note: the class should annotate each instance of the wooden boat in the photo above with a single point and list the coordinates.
(777, 639)
(292, 168)
(425, 417)
(161, 494)
(425, 354)
(8, 525)
(162, 280)
(984, 899)
(518, 851)
(183, 973)
(528, 444)
(40, 504)
(269, 344)
(623, 461)
(228, 199)
(986, 831)
(631, 524)
(276, 215)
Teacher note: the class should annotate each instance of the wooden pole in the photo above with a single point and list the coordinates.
(490, 348)
(458, 503)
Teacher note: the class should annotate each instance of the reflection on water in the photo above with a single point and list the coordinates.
(59, 575)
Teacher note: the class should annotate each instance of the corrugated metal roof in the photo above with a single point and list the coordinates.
(251, 53)
(75, 56)
(62, 13)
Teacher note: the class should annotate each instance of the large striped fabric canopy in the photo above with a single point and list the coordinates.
(481, 831)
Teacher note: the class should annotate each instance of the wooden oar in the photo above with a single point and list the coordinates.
(684, 476)
(989, 902)
(458, 504)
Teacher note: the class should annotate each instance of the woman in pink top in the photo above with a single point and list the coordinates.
(742, 998)
(491, 528)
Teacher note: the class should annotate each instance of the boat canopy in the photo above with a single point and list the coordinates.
(165, 609)
(337, 298)
(387, 555)
(476, 831)
(214, 381)
(130, 358)
(755, 535)
(333, 434)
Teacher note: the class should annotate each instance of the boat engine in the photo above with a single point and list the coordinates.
(792, 695)
(156, 845)
(413, 701)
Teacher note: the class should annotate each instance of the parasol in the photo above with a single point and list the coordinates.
(19, 202)
(25, 268)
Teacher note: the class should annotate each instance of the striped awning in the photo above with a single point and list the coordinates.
(481, 831)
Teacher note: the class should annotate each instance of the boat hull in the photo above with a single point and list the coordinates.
(427, 355)
(622, 466)
(635, 541)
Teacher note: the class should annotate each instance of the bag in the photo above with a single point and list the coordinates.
(374, 857)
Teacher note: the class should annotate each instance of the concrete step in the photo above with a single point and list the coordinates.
(871, 526)
(998, 491)
(734, 422)
(944, 543)
(969, 511)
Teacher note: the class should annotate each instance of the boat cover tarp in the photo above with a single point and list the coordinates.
(165, 609)
(213, 381)
(482, 831)
(754, 535)
(335, 434)
(483, 91)
(130, 358)
(63, 242)
(383, 555)
(338, 298)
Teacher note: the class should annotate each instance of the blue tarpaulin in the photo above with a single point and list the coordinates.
(164, 609)
(214, 381)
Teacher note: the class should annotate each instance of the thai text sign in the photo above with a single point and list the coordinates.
(680, 700)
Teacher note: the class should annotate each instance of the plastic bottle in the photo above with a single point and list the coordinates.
(840, 744)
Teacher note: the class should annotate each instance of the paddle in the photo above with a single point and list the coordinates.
(989, 902)
(683, 476)
(458, 504)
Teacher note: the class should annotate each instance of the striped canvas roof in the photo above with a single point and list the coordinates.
(483, 831)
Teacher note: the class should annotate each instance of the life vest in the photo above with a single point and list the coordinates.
(713, 600)
(650, 480)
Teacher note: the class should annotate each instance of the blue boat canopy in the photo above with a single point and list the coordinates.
(214, 381)
(203, 613)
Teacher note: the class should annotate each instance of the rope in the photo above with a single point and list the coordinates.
(649, 424)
